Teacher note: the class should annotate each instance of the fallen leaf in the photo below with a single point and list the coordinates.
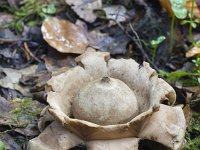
(193, 97)
(8, 34)
(107, 39)
(195, 51)
(188, 115)
(167, 6)
(64, 36)
(112, 40)
(36, 83)
(55, 60)
(117, 13)
(10, 94)
(11, 80)
(45, 119)
(85, 8)
(30, 130)
(4, 105)
(9, 142)
(7, 54)
(5, 18)
(196, 11)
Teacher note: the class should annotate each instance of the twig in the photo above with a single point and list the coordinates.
(12, 40)
(139, 41)
(28, 57)
(195, 100)
(29, 52)
(136, 41)
(139, 45)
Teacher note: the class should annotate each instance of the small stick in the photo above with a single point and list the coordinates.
(139, 45)
(136, 41)
(12, 40)
(139, 41)
(28, 57)
(29, 52)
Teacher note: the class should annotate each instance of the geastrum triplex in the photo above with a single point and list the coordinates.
(111, 104)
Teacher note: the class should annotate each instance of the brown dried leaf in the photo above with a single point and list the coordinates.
(188, 115)
(115, 44)
(167, 6)
(55, 60)
(64, 36)
(196, 11)
(195, 51)
(193, 97)
(11, 80)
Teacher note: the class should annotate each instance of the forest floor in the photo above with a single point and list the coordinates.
(143, 30)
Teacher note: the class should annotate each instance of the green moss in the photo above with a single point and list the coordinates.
(25, 111)
(2, 146)
(193, 134)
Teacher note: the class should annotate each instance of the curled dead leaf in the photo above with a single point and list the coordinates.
(12, 78)
(194, 51)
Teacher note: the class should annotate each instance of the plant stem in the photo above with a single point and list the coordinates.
(154, 54)
(172, 33)
(190, 28)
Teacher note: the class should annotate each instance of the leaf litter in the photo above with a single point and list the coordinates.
(103, 32)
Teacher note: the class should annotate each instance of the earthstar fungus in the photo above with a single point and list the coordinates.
(103, 101)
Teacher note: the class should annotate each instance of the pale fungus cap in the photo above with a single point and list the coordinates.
(109, 99)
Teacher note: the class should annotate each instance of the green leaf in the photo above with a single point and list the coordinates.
(194, 25)
(19, 25)
(156, 42)
(20, 14)
(196, 61)
(173, 76)
(50, 9)
(32, 23)
(178, 8)
(2, 146)
(190, 15)
(196, 21)
(197, 43)
(198, 79)
(177, 75)
(185, 22)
